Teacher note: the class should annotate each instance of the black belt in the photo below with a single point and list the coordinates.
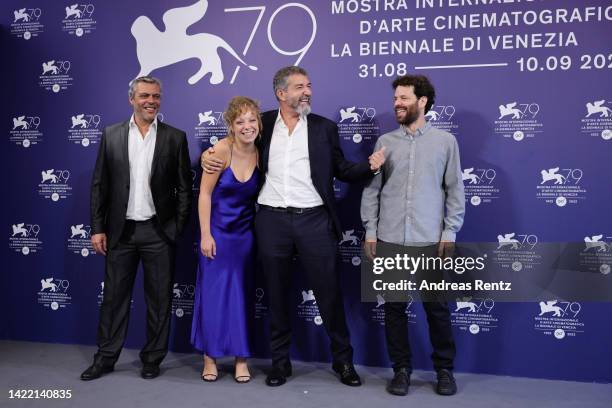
(144, 222)
(291, 210)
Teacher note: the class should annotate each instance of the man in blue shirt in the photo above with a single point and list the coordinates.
(416, 201)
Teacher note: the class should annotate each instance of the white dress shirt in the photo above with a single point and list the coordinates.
(288, 182)
(140, 202)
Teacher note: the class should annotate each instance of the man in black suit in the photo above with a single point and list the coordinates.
(300, 155)
(140, 202)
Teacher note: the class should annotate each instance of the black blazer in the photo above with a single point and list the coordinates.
(170, 182)
(326, 159)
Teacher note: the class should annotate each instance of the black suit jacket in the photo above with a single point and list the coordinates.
(326, 159)
(170, 182)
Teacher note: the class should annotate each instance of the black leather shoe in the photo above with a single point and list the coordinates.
(348, 375)
(96, 370)
(278, 375)
(149, 371)
(400, 382)
(446, 383)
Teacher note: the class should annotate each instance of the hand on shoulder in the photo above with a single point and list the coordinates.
(215, 158)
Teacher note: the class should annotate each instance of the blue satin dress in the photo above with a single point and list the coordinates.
(222, 309)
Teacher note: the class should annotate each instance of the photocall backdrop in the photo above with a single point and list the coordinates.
(523, 85)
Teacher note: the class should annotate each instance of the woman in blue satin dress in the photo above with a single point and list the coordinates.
(226, 208)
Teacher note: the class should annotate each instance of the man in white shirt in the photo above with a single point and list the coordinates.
(300, 155)
(140, 202)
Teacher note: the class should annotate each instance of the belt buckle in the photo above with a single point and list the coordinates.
(297, 210)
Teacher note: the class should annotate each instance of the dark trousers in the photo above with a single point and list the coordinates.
(440, 332)
(140, 241)
(280, 235)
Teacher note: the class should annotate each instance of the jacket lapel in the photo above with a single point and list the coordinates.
(160, 144)
(123, 142)
(268, 121)
(313, 127)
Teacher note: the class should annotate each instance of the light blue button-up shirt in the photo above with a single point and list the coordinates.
(418, 198)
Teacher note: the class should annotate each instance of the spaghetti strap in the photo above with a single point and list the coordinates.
(231, 154)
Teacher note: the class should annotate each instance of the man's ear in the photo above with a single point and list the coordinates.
(423, 102)
(280, 94)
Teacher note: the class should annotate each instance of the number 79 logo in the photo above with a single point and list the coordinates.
(300, 52)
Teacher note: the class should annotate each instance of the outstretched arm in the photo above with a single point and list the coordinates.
(349, 171)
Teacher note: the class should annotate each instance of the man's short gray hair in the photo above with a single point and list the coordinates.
(146, 79)
(281, 77)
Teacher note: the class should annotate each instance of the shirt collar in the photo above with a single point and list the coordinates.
(279, 119)
(419, 132)
(133, 122)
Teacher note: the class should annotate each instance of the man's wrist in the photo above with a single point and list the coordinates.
(448, 236)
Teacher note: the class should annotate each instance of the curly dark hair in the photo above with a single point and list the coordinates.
(422, 87)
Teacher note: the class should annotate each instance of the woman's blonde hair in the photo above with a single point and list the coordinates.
(237, 106)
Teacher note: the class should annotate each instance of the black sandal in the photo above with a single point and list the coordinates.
(212, 377)
(239, 381)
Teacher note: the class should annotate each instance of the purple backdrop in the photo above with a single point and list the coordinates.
(525, 87)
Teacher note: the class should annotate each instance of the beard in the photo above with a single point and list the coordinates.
(411, 115)
(302, 109)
